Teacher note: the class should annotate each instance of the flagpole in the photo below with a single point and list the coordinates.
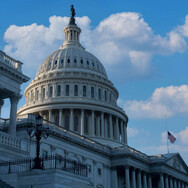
(166, 135)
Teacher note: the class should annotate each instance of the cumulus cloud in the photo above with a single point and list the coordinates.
(165, 101)
(124, 42)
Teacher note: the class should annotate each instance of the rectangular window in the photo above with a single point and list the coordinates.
(84, 91)
(99, 171)
(43, 93)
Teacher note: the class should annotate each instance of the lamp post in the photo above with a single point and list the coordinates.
(39, 132)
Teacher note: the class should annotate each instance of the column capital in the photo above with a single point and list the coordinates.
(15, 98)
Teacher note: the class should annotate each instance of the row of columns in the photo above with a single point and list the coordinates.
(103, 128)
(141, 179)
(170, 182)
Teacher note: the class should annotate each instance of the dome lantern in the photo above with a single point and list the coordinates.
(72, 31)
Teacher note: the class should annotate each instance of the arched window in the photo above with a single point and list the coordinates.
(67, 90)
(92, 92)
(76, 90)
(105, 95)
(110, 97)
(67, 122)
(43, 93)
(75, 61)
(58, 90)
(84, 91)
(62, 61)
(81, 61)
(86, 128)
(51, 91)
(87, 62)
(76, 123)
(68, 60)
(99, 94)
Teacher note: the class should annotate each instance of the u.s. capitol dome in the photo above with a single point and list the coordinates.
(71, 89)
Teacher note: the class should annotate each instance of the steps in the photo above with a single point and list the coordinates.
(4, 184)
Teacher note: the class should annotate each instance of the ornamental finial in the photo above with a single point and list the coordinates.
(72, 19)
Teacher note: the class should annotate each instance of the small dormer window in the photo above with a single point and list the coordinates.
(68, 60)
(75, 61)
(55, 62)
(81, 61)
(62, 61)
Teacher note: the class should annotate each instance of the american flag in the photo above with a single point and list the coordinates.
(171, 137)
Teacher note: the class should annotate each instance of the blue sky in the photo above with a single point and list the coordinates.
(147, 42)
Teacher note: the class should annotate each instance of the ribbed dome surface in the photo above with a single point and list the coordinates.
(72, 57)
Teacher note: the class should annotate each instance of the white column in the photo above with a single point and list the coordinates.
(139, 179)
(82, 122)
(171, 185)
(50, 115)
(145, 180)
(1, 105)
(161, 181)
(102, 124)
(111, 128)
(127, 178)
(92, 123)
(122, 135)
(13, 111)
(98, 125)
(175, 183)
(71, 125)
(133, 179)
(60, 118)
(117, 129)
(166, 181)
(149, 181)
(114, 181)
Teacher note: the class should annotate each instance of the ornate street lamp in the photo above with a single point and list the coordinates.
(39, 132)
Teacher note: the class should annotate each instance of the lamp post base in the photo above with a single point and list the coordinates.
(37, 164)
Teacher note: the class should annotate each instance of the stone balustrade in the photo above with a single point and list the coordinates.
(11, 141)
(4, 58)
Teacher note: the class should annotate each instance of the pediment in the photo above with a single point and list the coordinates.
(178, 163)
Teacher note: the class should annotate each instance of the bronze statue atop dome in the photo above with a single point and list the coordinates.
(73, 13)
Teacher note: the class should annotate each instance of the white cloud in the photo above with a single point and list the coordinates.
(123, 42)
(169, 101)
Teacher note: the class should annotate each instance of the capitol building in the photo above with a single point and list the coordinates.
(87, 143)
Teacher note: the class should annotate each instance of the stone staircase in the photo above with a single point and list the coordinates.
(4, 184)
